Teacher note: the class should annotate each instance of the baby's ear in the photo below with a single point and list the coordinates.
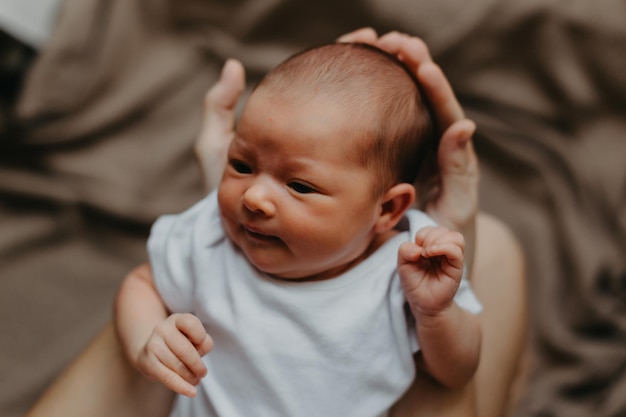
(393, 204)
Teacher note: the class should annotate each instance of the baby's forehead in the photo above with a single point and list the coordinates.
(358, 114)
(317, 117)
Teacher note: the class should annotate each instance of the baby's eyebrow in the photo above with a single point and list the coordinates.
(240, 146)
(302, 164)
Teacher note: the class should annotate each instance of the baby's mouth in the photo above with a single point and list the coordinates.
(260, 237)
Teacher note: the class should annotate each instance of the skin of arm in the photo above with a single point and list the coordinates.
(430, 270)
(164, 347)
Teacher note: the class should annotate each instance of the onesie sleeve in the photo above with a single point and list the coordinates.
(173, 241)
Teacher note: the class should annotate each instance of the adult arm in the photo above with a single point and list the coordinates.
(217, 129)
(100, 382)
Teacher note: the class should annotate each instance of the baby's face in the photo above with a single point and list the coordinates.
(290, 197)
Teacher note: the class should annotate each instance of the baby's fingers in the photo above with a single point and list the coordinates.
(428, 235)
(409, 253)
(161, 364)
(192, 327)
(451, 251)
(190, 342)
(439, 241)
(174, 381)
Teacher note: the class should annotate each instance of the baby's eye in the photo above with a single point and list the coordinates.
(241, 167)
(301, 188)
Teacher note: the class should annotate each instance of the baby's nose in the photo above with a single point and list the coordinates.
(258, 199)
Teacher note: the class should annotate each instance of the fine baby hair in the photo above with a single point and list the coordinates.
(397, 140)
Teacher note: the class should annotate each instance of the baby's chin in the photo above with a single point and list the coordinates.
(299, 276)
(278, 272)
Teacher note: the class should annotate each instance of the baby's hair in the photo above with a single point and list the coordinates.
(398, 143)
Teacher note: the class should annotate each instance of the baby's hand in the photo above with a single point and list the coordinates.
(173, 353)
(431, 268)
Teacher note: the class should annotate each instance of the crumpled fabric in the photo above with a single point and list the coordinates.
(111, 106)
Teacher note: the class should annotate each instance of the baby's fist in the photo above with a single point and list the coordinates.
(431, 268)
(173, 353)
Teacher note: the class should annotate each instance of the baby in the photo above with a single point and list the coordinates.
(318, 285)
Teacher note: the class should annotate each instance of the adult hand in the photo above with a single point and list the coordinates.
(218, 126)
(454, 203)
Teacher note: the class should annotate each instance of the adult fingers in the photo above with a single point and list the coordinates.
(410, 49)
(415, 53)
(223, 96)
(218, 126)
(364, 35)
(445, 105)
(456, 203)
(456, 153)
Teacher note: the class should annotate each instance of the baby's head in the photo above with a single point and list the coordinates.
(320, 169)
(387, 121)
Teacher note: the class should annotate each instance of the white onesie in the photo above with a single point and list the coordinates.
(338, 347)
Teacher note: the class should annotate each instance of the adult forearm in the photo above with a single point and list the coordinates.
(101, 383)
(426, 397)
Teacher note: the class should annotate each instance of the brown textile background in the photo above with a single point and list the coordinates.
(109, 111)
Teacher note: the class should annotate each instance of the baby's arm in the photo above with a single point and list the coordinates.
(168, 348)
(430, 271)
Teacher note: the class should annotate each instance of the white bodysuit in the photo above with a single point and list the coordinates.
(339, 347)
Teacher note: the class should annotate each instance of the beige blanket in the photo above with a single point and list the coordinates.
(109, 112)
